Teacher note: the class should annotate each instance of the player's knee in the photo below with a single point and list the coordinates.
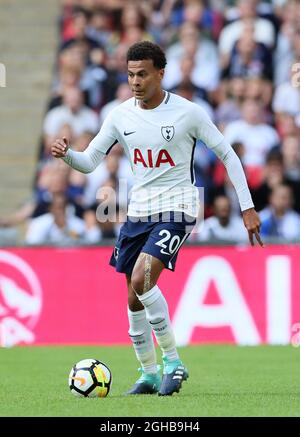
(137, 282)
(133, 302)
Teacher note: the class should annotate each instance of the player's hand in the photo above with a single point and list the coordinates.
(252, 224)
(60, 147)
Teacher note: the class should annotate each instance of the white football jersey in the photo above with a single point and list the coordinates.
(160, 145)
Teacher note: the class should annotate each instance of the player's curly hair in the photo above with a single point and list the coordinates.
(147, 50)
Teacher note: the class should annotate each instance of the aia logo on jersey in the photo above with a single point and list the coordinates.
(148, 161)
(168, 132)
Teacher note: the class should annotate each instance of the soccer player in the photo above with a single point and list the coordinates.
(158, 131)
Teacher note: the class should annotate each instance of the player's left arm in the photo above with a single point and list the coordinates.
(237, 176)
(213, 138)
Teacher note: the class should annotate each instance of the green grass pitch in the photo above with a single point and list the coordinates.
(224, 381)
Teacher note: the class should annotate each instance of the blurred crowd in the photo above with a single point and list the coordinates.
(239, 60)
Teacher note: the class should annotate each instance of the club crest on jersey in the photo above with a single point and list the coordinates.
(168, 132)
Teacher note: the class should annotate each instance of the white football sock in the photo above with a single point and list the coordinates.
(140, 332)
(158, 315)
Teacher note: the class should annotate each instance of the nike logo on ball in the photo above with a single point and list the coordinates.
(78, 378)
(128, 133)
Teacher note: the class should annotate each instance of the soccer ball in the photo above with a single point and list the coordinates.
(90, 378)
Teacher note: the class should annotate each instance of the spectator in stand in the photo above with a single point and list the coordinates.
(249, 58)
(185, 79)
(286, 99)
(94, 79)
(204, 53)
(68, 77)
(257, 136)
(291, 158)
(71, 112)
(59, 226)
(285, 48)
(260, 89)
(223, 226)
(133, 20)
(117, 67)
(106, 213)
(70, 59)
(79, 32)
(49, 175)
(199, 13)
(229, 99)
(232, 94)
(286, 125)
(134, 35)
(237, 90)
(272, 176)
(123, 93)
(73, 57)
(296, 54)
(264, 30)
(158, 14)
(279, 220)
(99, 27)
(53, 180)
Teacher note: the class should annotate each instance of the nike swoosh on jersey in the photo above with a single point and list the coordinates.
(128, 133)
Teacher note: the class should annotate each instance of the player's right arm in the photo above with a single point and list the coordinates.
(90, 158)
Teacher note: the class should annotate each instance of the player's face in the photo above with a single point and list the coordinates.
(144, 79)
